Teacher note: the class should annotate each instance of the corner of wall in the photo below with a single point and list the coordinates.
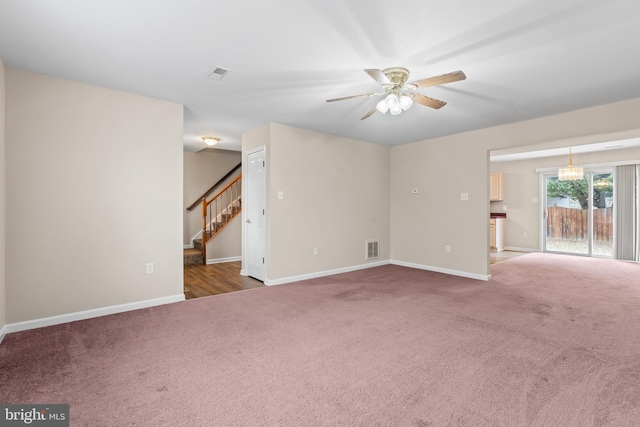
(108, 271)
(3, 303)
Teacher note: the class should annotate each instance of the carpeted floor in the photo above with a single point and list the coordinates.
(552, 340)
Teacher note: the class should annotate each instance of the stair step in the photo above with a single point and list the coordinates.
(193, 256)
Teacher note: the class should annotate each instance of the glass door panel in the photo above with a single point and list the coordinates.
(567, 205)
(603, 214)
(579, 214)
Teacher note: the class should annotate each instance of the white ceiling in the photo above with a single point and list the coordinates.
(523, 58)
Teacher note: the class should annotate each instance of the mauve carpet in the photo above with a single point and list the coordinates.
(552, 340)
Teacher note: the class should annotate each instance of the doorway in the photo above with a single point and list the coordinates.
(578, 215)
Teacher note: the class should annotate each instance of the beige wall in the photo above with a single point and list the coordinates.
(521, 185)
(94, 192)
(421, 226)
(201, 171)
(228, 243)
(336, 197)
(2, 198)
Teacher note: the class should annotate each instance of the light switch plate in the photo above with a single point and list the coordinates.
(464, 196)
(280, 195)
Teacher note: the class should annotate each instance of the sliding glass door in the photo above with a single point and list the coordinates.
(578, 215)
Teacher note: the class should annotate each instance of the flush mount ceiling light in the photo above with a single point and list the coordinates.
(570, 173)
(210, 141)
(400, 95)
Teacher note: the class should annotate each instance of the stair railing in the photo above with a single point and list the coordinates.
(219, 211)
(213, 187)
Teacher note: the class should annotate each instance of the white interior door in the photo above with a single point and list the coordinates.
(255, 218)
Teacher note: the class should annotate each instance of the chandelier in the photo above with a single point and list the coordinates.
(570, 173)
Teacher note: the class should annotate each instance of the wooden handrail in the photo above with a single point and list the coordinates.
(210, 190)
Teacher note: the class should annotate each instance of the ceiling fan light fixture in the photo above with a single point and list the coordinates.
(210, 140)
(405, 102)
(382, 106)
(392, 101)
(398, 93)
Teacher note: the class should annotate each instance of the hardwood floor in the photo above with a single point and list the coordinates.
(205, 280)
(496, 256)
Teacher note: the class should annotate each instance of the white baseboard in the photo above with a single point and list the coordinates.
(87, 314)
(324, 273)
(3, 332)
(220, 260)
(198, 235)
(443, 270)
(188, 246)
(243, 273)
(513, 248)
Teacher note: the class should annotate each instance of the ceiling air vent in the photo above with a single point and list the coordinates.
(372, 249)
(217, 73)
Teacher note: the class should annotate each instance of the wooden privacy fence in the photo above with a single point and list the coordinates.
(571, 224)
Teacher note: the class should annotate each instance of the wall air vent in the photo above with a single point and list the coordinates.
(217, 73)
(372, 249)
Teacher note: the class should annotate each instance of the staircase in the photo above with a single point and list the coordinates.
(193, 256)
(217, 213)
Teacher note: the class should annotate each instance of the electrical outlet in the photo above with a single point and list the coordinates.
(525, 234)
(280, 195)
(149, 267)
(447, 248)
(464, 196)
(315, 251)
(504, 207)
(534, 200)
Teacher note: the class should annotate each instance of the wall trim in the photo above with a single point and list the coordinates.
(227, 259)
(443, 270)
(513, 248)
(593, 165)
(198, 235)
(3, 332)
(188, 246)
(88, 314)
(324, 273)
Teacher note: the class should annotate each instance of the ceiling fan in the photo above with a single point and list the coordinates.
(400, 95)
